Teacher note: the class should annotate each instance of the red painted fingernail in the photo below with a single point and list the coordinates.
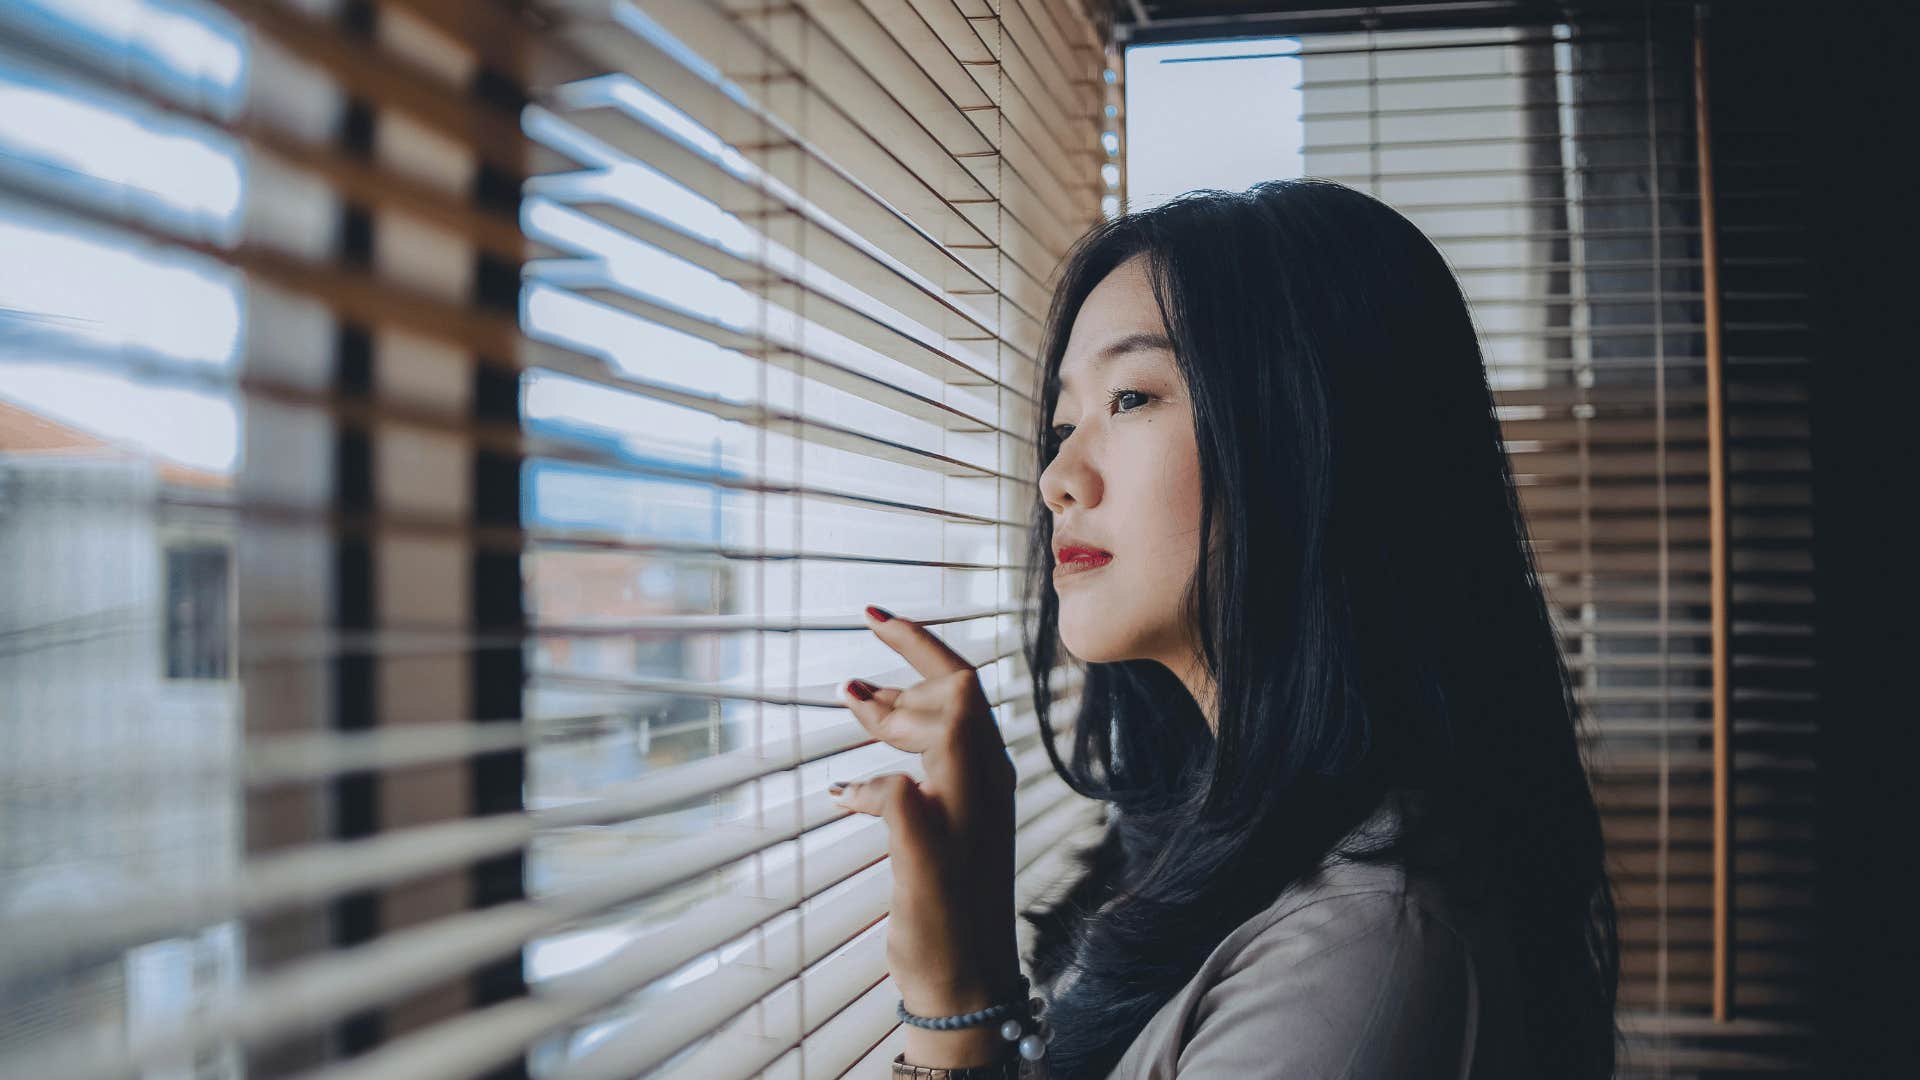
(861, 689)
(879, 613)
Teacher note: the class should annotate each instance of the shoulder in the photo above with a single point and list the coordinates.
(1355, 973)
(1350, 906)
(1367, 983)
(1364, 947)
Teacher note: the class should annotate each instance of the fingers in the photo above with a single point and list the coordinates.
(904, 727)
(872, 795)
(858, 690)
(923, 716)
(894, 798)
(929, 656)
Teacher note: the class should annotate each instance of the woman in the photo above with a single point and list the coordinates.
(1349, 833)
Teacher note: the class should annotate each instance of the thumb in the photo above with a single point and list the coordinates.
(895, 798)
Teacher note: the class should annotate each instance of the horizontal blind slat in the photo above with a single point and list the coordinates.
(997, 67)
(737, 1043)
(278, 761)
(319, 990)
(1033, 151)
(949, 416)
(1003, 210)
(933, 207)
(964, 272)
(746, 127)
(351, 293)
(579, 366)
(664, 1031)
(904, 113)
(271, 145)
(921, 356)
(835, 1046)
(475, 1042)
(1043, 854)
(332, 868)
(379, 74)
(825, 249)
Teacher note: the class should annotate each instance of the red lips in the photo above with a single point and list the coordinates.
(1082, 554)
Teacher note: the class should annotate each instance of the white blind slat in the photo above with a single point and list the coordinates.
(471, 1044)
(538, 615)
(331, 869)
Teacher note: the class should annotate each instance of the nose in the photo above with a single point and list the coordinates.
(1070, 479)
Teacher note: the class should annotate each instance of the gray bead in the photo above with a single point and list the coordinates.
(1010, 1030)
(1033, 1048)
(1037, 1006)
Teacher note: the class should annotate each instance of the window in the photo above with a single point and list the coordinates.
(198, 612)
(1557, 164)
(118, 448)
(522, 401)
(809, 410)
(1566, 191)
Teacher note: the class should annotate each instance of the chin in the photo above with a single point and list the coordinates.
(1092, 646)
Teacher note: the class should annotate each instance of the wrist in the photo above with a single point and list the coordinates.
(959, 1049)
(982, 1033)
(962, 995)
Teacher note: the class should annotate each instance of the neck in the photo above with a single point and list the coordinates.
(1193, 674)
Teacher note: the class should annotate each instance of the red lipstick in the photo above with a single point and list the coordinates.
(1073, 559)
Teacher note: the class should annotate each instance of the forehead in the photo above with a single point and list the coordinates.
(1119, 318)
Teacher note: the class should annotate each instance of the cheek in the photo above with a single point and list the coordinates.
(1169, 509)
(1152, 502)
(1170, 538)
(1184, 486)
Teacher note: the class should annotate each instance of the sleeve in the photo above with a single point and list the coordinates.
(1364, 986)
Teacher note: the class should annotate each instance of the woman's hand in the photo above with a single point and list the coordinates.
(950, 942)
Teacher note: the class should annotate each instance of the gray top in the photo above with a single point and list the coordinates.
(1358, 972)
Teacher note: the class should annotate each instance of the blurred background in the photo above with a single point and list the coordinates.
(445, 446)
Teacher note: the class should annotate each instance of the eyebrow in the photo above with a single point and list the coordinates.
(1138, 341)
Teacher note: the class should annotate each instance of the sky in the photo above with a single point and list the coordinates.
(1219, 114)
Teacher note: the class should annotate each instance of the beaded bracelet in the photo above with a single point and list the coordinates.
(1020, 1018)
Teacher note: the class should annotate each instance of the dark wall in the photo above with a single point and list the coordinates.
(1837, 78)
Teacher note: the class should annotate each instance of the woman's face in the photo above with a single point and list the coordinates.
(1126, 480)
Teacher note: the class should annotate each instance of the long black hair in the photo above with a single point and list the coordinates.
(1367, 609)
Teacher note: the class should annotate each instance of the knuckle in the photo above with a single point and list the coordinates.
(960, 685)
(953, 739)
(894, 794)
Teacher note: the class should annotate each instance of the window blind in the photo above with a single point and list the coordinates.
(574, 372)
(1557, 163)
